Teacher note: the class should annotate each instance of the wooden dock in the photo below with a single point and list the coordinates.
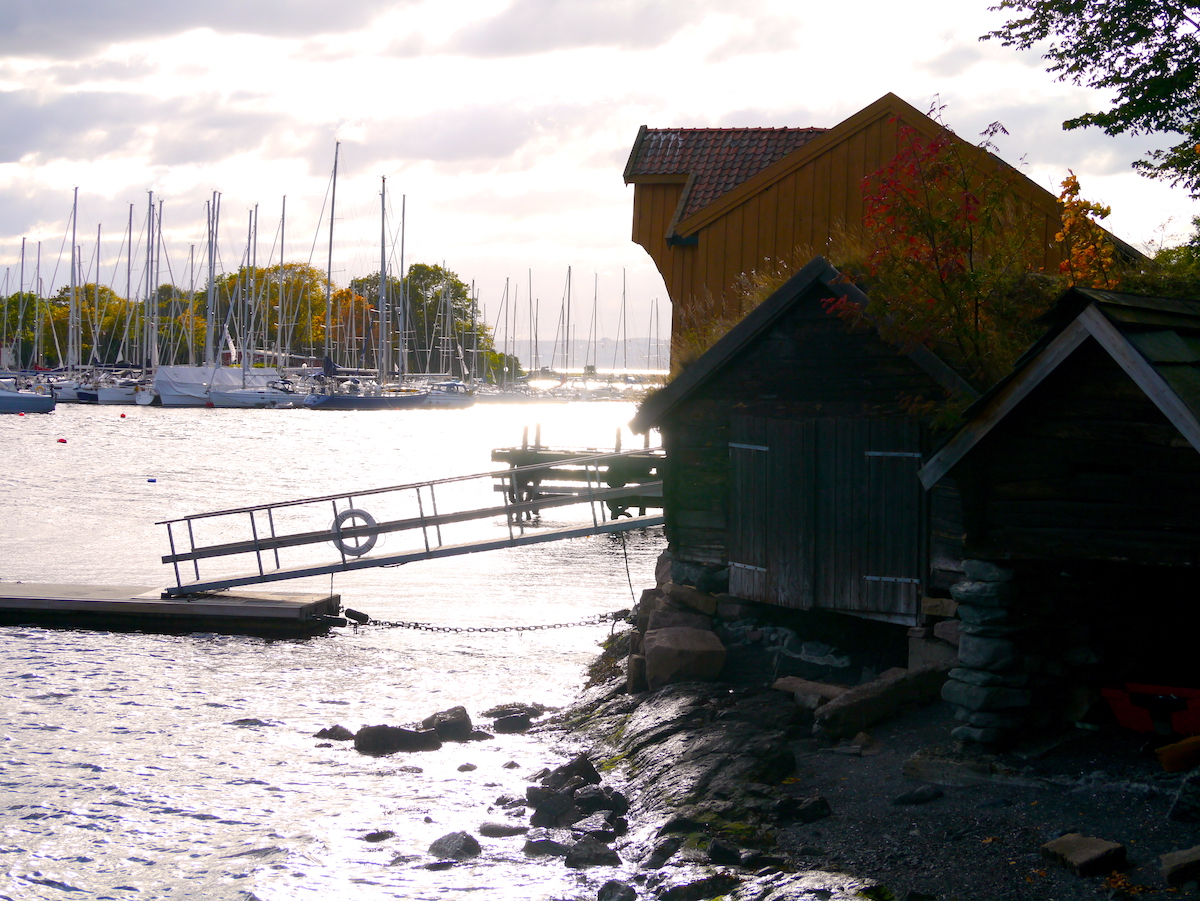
(141, 609)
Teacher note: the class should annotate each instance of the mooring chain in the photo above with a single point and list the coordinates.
(616, 615)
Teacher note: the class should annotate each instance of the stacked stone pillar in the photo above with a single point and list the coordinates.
(991, 684)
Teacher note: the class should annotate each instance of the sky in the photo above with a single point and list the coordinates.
(504, 125)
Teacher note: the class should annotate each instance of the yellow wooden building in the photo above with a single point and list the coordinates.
(712, 203)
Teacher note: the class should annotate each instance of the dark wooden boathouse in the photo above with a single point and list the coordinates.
(1088, 450)
(1080, 477)
(792, 459)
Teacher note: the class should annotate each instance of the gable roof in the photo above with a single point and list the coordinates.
(1156, 340)
(818, 278)
(712, 161)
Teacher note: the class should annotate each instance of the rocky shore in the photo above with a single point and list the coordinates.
(826, 775)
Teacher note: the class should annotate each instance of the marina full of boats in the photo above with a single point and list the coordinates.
(314, 389)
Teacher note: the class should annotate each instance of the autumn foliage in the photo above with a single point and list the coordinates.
(1089, 258)
(950, 260)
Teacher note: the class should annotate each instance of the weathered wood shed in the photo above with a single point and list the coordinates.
(1088, 450)
(792, 458)
(1080, 476)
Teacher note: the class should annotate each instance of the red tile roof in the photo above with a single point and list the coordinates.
(718, 159)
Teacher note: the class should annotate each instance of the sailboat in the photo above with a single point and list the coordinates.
(14, 400)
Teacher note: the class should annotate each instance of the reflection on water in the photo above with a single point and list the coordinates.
(148, 766)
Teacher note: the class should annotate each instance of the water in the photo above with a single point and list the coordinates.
(124, 771)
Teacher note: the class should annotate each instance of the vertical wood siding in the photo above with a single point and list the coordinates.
(828, 513)
(789, 221)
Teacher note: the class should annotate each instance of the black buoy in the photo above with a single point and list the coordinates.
(360, 618)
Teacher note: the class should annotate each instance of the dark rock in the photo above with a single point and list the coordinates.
(336, 733)
(673, 617)
(1086, 855)
(455, 846)
(325, 744)
(722, 853)
(812, 809)
(982, 677)
(597, 826)
(439, 865)
(548, 805)
(513, 723)
(682, 654)
(620, 824)
(615, 890)
(985, 594)
(662, 852)
(700, 889)
(591, 852)
(467, 767)
(533, 711)
(546, 843)
(502, 830)
(979, 615)
(1186, 806)
(481, 735)
(922, 794)
(591, 798)
(992, 654)
(380, 740)
(509, 801)
(986, 571)
(381, 836)
(1179, 867)
(512, 765)
(580, 768)
(450, 725)
(248, 721)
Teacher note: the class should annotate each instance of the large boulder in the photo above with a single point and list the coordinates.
(682, 654)
(455, 846)
(380, 740)
(450, 725)
(862, 706)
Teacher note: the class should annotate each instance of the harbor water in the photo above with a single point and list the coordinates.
(151, 766)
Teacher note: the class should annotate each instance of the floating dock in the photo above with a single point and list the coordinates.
(141, 609)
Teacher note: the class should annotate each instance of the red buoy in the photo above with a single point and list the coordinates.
(122, 415)
(62, 440)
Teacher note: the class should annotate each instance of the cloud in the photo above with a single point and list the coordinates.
(543, 26)
(88, 125)
(66, 28)
(756, 37)
(467, 134)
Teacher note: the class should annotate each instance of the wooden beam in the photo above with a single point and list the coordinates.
(1143, 374)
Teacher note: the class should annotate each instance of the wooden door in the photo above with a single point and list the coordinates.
(870, 511)
(771, 522)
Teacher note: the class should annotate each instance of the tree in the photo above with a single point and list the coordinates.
(950, 259)
(1089, 258)
(1145, 52)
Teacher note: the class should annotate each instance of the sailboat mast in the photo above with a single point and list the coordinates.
(329, 265)
(73, 312)
(281, 317)
(210, 317)
(384, 360)
(402, 318)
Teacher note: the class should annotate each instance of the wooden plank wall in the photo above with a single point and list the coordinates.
(1086, 468)
(790, 221)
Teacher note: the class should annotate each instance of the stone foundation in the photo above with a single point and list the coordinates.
(1024, 661)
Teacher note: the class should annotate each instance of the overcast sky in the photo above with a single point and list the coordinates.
(505, 123)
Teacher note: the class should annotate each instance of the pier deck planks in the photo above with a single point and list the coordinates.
(145, 609)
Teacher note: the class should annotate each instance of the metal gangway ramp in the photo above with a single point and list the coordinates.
(404, 523)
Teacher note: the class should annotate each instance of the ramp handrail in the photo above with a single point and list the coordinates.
(354, 532)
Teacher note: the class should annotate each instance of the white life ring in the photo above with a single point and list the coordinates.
(350, 547)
